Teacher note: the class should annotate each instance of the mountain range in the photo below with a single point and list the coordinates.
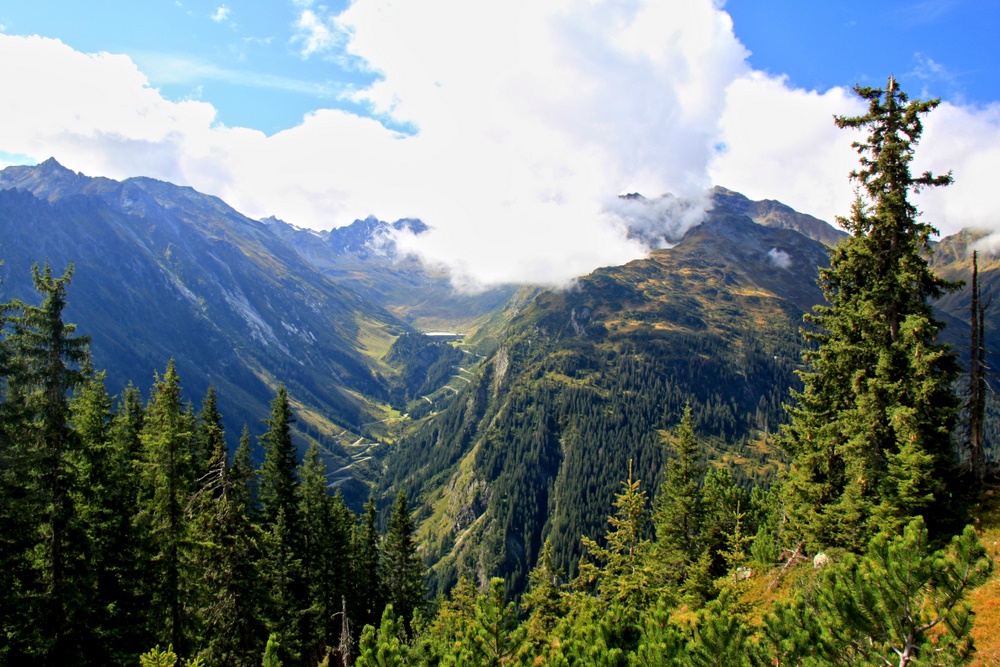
(518, 433)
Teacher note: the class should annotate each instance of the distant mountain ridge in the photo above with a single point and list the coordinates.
(365, 258)
(772, 213)
(538, 440)
(164, 271)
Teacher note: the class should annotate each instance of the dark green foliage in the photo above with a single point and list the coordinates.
(282, 541)
(619, 566)
(720, 638)
(210, 436)
(870, 433)
(110, 446)
(679, 515)
(167, 471)
(368, 588)
(385, 647)
(229, 597)
(425, 364)
(553, 413)
(327, 529)
(44, 367)
(277, 474)
(122, 529)
(662, 644)
(402, 569)
(903, 601)
(544, 603)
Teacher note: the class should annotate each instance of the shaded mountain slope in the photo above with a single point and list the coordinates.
(163, 271)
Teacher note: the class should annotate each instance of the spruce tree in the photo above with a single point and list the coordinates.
(402, 569)
(326, 534)
(47, 359)
(678, 516)
(128, 559)
(277, 473)
(619, 565)
(869, 435)
(282, 543)
(244, 487)
(369, 591)
(107, 502)
(544, 603)
(15, 517)
(226, 553)
(168, 482)
(209, 436)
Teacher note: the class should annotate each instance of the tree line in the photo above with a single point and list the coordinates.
(126, 525)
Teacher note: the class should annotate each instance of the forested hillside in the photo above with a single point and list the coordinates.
(535, 446)
(748, 449)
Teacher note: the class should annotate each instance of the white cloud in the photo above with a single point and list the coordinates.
(314, 34)
(222, 14)
(781, 143)
(966, 141)
(530, 116)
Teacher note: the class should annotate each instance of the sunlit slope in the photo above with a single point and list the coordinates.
(537, 443)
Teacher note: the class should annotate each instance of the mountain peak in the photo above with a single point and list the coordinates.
(48, 180)
(771, 213)
(53, 166)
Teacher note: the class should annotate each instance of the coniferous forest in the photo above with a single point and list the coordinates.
(129, 534)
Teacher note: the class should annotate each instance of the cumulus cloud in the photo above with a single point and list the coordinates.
(965, 141)
(780, 142)
(527, 123)
(659, 222)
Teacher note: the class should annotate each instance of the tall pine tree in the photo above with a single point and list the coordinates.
(366, 563)
(47, 357)
(327, 526)
(232, 630)
(168, 483)
(870, 434)
(281, 563)
(402, 568)
(678, 512)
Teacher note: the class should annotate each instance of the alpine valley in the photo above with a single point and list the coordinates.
(516, 429)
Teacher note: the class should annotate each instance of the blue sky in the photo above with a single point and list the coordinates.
(935, 48)
(248, 58)
(496, 121)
